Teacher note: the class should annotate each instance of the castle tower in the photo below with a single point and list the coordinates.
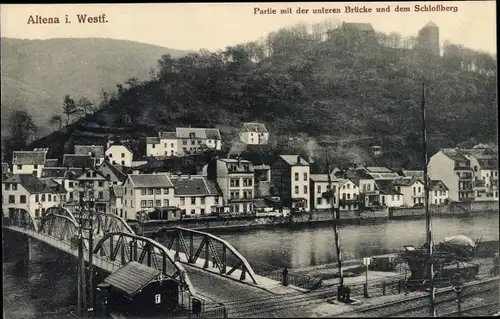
(428, 38)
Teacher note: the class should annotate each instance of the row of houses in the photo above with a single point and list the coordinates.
(235, 185)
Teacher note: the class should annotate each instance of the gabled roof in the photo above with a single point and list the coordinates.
(54, 172)
(53, 185)
(194, 186)
(115, 170)
(378, 169)
(455, 155)
(357, 26)
(437, 184)
(488, 163)
(77, 160)
(119, 143)
(386, 187)
(237, 165)
(132, 277)
(150, 180)
(83, 174)
(168, 135)
(117, 190)
(406, 181)
(254, 127)
(33, 184)
(29, 157)
(97, 150)
(51, 162)
(152, 140)
(294, 160)
(413, 173)
(323, 178)
(201, 133)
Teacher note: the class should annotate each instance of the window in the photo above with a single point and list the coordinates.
(23, 199)
(143, 191)
(296, 177)
(100, 195)
(318, 189)
(305, 189)
(193, 200)
(319, 200)
(183, 201)
(172, 145)
(348, 186)
(150, 191)
(101, 184)
(7, 186)
(234, 183)
(202, 211)
(14, 186)
(70, 184)
(123, 155)
(475, 168)
(153, 145)
(305, 177)
(216, 199)
(49, 197)
(12, 199)
(150, 203)
(157, 203)
(348, 195)
(94, 174)
(43, 197)
(435, 193)
(123, 163)
(19, 167)
(419, 189)
(296, 189)
(143, 204)
(111, 154)
(158, 191)
(202, 200)
(165, 202)
(35, 166)
(165, 191)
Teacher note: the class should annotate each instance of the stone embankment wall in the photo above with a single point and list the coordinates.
(453, 209)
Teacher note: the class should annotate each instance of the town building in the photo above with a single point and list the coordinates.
(368, 191)
(254, 134)
(428, 39)
(77, 160)
(438, 193)
(197, 196)
(290, 174)
(116, 200)
(453, 169)
(51, 162)
(320, 187)
(378, 173)
(184, 141)
(348, 194)
(413, 173)
(412, 190)
(5, 168)
(389, 195)
(263, 187)
(95, 152)
(355, 35)
(119, 154)
(26, 191)
(144, 192)
(28, 162)
(112, 173)
(66, 176)
(235, 178)
(484, 164)
(92, 185)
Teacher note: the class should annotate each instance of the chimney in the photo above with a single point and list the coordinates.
(298, 159)
(239, 161)
(189, 176)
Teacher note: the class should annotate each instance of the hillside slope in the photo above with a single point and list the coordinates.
(36, 74)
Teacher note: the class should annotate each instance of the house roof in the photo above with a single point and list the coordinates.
(378, 169)
(98, 150)
(119, 143)
(194, 186)
(117, 190)
(237, 166)
(115, 170)
(168, 135)
(454, 154)
(480, 153)
(202, 133)
(29, 157)
(51, 162)
(132, 277)
(430, 24)
(262, 167)
(413, 173)
(254, 127)
(405, 181)
(379, 176)
(83, 173)
(437, 184)
(294, 160)
(488, 163)
(357, 26)
(152, 140)
(386, 187)
(54, 172)
(77, 160)
(150, 180)
(33, 184)
(53, 185)
(323, 178)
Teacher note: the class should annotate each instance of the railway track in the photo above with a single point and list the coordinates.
(487, 309)
(416, 306)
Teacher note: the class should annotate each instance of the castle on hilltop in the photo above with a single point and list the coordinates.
(428, 39)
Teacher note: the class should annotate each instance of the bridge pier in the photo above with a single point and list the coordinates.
(17, 248)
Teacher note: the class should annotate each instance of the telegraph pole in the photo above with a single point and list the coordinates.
(427, 212)
(90, 206)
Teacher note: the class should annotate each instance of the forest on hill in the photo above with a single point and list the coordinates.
(312, 90)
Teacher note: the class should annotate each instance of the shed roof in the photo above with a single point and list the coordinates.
(132, 277)
(254, 127)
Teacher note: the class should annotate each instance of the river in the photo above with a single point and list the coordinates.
(50, 284)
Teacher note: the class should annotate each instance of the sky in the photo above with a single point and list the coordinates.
(214, 26)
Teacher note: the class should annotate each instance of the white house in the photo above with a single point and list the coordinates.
(348, 194)
(144, 192)
(26, 191)
(66, 176)
(254, 134)
(28, 162)
(119, 154)
(438, 193)
(165, 144)
(484, 164)
(196, 195)
(319, 186)
(290, 175)
(185, 140)
(452, 168)
(96, 152)
(412, 190)
(389, 195)
(116, 200)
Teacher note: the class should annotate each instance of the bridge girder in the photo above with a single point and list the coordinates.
(61, 227)
(103, 223)
(21, 218)
(131, 247)
(58, 210)
(222, 252)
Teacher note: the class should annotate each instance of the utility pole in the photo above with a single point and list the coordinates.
(90, 207)
(82, 303)
(427, 212)
(340, 291)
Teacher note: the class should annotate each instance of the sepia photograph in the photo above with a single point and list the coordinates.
(250, 160)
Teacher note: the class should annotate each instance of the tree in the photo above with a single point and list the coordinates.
(56, 119)
(21, 129)
(84, 107)
(69, 108)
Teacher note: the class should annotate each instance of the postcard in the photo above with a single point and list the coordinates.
(236, 160)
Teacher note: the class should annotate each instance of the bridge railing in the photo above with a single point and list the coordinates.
(285, 277)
